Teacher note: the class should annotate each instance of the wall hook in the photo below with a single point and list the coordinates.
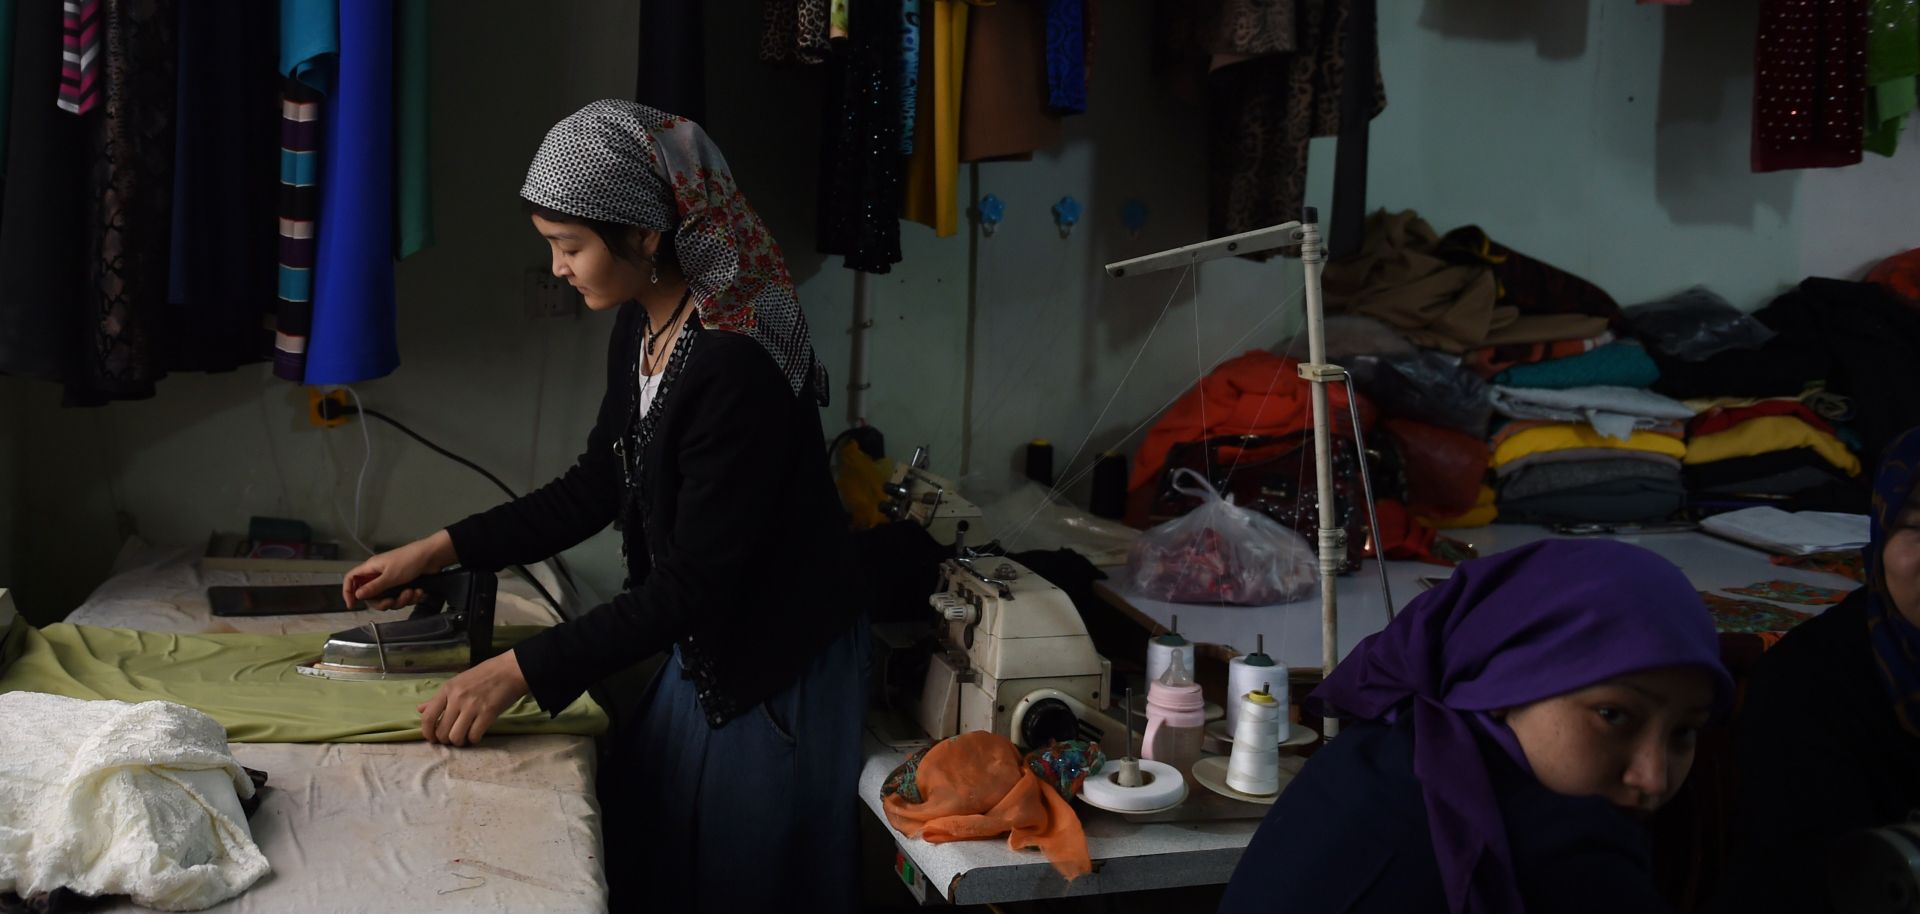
(991, 210)
(1066, 214)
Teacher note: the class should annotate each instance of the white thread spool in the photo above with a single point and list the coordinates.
(1161, 786)
(1254, 766)
(1248, 673)
(1161, 648)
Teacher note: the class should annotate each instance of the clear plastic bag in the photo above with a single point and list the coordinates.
(1038, 520)
(1425, 386)
(1220, 553)
(1696, 325)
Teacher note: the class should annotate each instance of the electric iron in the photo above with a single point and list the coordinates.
(450, 630)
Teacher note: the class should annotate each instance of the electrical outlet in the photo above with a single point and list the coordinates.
(314, 396)
(547, 295)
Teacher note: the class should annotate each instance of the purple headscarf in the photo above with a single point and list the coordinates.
(1895, 641)
(1507, 630)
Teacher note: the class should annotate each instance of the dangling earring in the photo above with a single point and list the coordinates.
(654, 276)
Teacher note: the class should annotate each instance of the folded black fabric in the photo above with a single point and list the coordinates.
(1616, 501)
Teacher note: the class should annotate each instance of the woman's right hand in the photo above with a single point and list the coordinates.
(395, 567)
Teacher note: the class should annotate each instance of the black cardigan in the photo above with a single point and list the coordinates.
(1350, 836)
(1820, 754)
(754, 572)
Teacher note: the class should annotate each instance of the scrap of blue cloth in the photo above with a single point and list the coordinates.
(1622, 364)
(354, 333)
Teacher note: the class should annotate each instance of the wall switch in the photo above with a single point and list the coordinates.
(547, 295)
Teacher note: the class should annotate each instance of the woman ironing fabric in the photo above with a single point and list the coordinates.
(708, 454)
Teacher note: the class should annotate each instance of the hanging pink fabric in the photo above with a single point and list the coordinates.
(80, 34)
(1809, 85)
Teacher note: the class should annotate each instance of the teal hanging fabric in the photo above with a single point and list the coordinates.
(354, 335)
(413, 213)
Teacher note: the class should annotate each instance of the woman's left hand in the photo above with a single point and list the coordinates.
(460, 713)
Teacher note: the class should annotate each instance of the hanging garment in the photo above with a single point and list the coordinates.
(299, 212)
(6, 81)
(412, 170)
(933, 171)
(226, 161)
(1809, 84)
(1004, 110)
(859, 208)
(793, 31)
(1274, 84)
(909, 72)
(309, 48)
(1066, 56)
(1893, 66)
(839, 19)
(673, 58)
(81, 33)
(42, 219)
(130, 197)
(354, 333)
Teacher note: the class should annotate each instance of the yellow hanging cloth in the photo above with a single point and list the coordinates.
(933, 170)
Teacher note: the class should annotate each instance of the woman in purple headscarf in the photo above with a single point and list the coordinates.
(1497, 730)
(1828, 740)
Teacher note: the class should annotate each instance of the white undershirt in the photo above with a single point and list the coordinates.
(649, 386)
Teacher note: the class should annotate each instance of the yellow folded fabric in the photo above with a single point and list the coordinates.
(1483, 512)
(1767, 434)
(248, 683)
(1566, 436)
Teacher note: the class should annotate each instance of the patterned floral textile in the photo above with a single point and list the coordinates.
(1065, 765)
(1750, 617)
(620, 161)
(1791, 592)
(1845, 564)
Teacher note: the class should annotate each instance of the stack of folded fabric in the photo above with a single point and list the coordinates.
(1778, 451)
(1598, 453)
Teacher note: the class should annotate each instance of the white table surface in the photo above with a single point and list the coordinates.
(1130, 856)
(1292, 629)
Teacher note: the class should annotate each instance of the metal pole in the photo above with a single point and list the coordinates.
(857, 383)
(1332, 539)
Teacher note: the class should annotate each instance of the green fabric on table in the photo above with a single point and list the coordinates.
(248, 683)
(412, 173)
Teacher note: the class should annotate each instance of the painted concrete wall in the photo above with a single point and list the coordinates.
(1604, 137)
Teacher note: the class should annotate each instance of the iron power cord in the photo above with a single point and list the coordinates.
(332, 410)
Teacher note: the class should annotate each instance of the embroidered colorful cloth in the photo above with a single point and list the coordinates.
(1791, 592)
(1750, 617)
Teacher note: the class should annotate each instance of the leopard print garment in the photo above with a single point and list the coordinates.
(1262, 111)
(793, 31)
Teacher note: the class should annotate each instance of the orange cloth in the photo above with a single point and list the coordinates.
(1256, 394)
(976, 785)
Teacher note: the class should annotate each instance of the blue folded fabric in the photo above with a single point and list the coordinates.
(1622, 364)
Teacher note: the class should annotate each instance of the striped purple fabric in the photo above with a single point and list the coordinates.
(81, 32)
